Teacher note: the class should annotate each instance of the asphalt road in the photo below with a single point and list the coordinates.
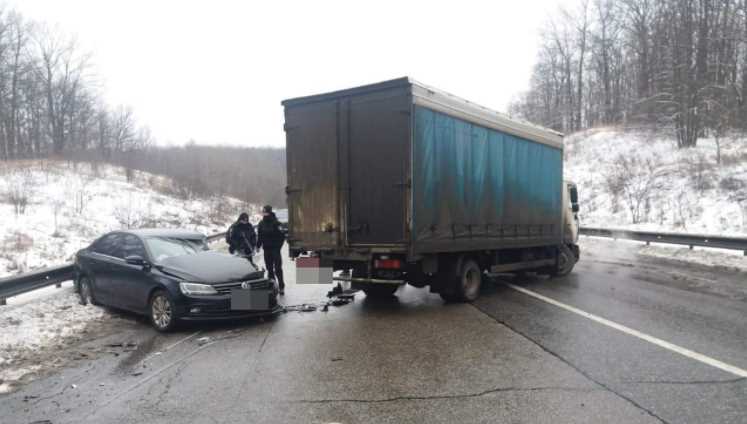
(512, 356)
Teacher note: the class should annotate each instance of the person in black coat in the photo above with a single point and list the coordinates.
(271, 239)
(241, 237)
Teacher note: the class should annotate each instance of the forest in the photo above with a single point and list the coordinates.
(674, 65)
(52, 106)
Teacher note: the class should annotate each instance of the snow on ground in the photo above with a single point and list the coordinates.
(732, 260)
(42, 322)
(69, 206)
(621, 174)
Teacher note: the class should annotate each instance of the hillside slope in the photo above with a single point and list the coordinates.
(640, 181)
(69, 206)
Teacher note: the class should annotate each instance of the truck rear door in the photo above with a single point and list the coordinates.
(312, 157)
(379, 143)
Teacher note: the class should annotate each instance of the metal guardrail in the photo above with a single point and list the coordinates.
(702, 240)
(19, 284)
(215, 237)
(30, 281)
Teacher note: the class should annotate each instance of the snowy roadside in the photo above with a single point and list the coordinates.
(38, 323)
(721, 258)
(640, 181)
(68, 208)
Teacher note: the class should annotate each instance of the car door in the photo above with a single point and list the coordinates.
(132, 283)
(101, 266)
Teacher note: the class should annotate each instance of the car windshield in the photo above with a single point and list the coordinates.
(167, 247)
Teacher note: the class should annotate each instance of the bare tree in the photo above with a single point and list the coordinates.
(672, 64)
(61, 69)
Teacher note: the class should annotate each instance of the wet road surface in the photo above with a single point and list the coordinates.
(509, 357)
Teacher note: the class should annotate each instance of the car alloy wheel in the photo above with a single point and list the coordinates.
(161, 311)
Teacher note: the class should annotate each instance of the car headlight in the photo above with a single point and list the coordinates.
(197, 289)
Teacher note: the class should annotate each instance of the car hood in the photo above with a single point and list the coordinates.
(210, 268)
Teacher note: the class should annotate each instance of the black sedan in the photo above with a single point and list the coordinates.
(171, 276)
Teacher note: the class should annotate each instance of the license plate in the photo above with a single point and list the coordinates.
(247, 300)
(310, 271)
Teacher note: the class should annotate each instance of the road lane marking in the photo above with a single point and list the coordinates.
(635, 333)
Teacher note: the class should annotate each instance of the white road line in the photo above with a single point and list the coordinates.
(635, 333)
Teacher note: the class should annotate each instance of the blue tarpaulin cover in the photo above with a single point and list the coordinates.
(474, 182)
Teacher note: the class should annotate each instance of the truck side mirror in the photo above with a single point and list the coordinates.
(574, 198)
(574, 195)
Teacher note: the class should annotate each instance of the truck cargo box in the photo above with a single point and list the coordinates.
(402, 165)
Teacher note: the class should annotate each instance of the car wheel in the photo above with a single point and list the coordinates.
(162, 311)
(85, 291)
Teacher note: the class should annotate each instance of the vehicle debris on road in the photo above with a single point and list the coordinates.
(299, 308)
(337, 297)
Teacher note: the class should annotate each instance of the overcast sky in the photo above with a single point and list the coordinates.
(216, 71)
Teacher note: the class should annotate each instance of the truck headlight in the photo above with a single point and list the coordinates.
(197, 289)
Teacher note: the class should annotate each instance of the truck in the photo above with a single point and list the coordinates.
(399, 183)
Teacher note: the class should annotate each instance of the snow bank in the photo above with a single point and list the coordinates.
(68, 207)
(681, 190)
(39, 323)
(44, 322)
(722, 258)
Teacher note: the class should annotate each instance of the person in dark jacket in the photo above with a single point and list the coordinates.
(241, 237)
(271, 239)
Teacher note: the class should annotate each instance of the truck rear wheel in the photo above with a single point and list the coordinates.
(465, 285)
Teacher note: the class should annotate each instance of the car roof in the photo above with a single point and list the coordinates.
(166, 232)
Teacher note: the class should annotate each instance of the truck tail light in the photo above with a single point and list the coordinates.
(387, 264)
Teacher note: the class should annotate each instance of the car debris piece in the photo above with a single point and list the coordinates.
(300, 308)
(335, 291)
(338, 301)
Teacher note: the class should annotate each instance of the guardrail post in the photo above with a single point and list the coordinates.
(4, 302)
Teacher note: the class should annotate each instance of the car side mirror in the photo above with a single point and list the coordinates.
(136, 260)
